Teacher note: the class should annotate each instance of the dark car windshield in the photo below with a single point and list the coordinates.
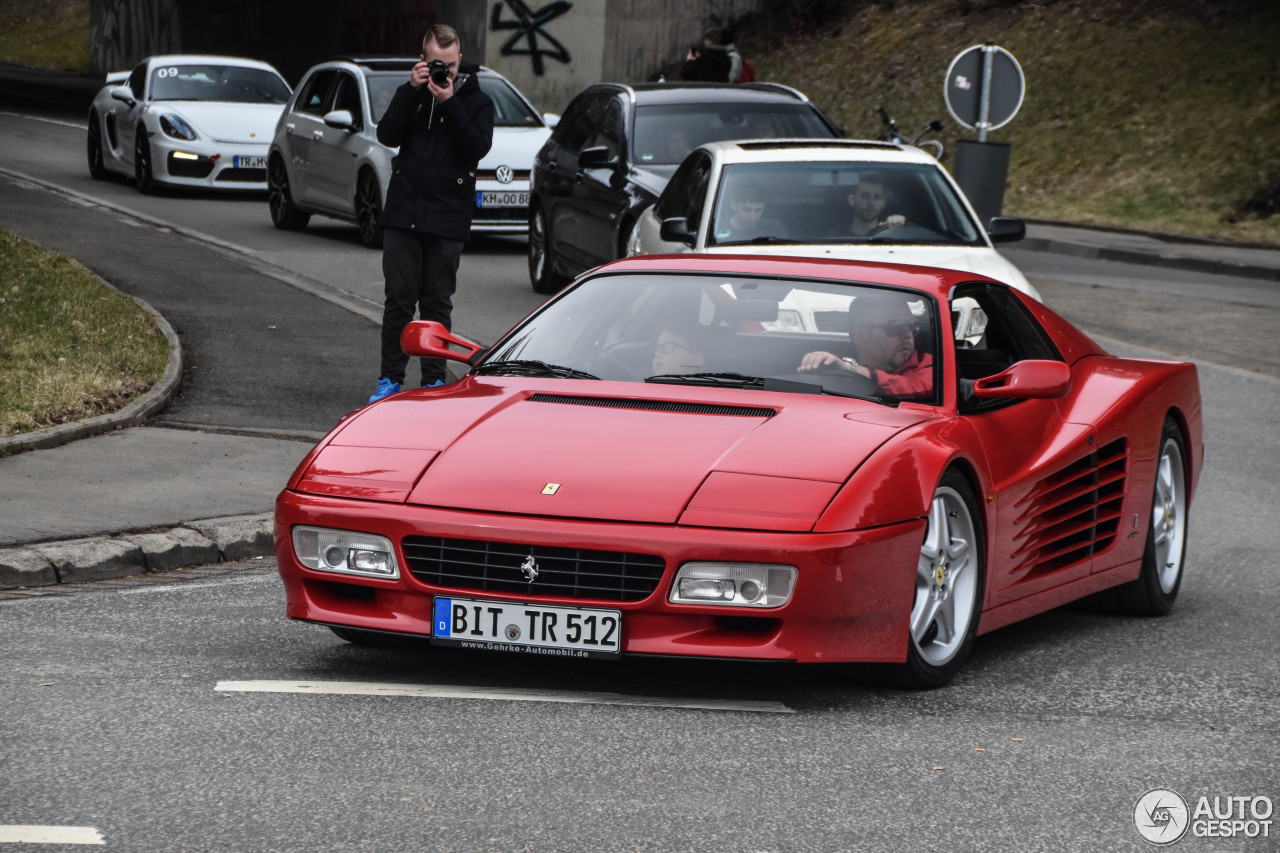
(725, 331)
(231, 83)
(665, 133)
(825, 202)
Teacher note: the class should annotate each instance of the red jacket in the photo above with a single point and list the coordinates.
(914, 379)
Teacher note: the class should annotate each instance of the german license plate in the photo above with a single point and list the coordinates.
(537, 629)
(511, 198)
(249, 162)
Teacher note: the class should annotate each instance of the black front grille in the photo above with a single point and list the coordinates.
(247, 176)
(499, 214)
(180, 167)
(478, 566)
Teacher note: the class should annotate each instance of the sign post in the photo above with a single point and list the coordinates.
(984, 88)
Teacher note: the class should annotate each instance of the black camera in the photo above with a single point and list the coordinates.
(439, 73)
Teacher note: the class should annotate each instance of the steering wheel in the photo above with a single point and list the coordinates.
(610, 364)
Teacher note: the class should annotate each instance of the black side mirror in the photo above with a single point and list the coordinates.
(676, 230)
(1006, 229)
(596, 158)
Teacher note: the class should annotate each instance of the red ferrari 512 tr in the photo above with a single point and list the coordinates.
(756, 458)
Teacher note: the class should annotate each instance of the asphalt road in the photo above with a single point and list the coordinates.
(123, 704)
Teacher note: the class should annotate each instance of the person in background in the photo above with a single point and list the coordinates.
(443, 125)
(677, 350)
(735, 58)
(868, 201)
(748, 203)
(709, 63)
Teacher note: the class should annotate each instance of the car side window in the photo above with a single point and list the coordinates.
(692, 173)
(1002, 331)
(312, 98)
(346, 96)
(138, 80)
(609, 130)
(577, 126)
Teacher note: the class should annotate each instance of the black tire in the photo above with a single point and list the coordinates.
(954, 574)
(361, 637)
(369, 209)
(1155, 590)
(143, 173)
(93, 145)
(544, 279)
(284, 213)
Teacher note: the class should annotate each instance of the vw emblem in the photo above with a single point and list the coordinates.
(530, 569)
(504, 174)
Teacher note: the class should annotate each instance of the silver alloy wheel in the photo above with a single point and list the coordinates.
(1169, 515)
(946, 579)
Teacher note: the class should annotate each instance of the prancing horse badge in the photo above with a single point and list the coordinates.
(550, 488)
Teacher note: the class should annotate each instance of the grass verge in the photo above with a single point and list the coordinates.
(70, 347)
(1149, 114)
(51, 34)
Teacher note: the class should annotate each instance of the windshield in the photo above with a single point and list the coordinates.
(731, 331)
(231, 83)
(509, 109)
(823, 202)
(665, 133)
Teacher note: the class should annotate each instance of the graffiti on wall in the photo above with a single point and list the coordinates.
(131, 29)
(528, 26)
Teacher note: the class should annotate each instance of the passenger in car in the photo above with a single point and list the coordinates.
(678, 349)
(748, 201)
(882, 347)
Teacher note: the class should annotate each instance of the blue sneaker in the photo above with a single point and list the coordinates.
(385, 388)
(434, 384)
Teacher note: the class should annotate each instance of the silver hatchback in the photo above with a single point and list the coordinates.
(325, 157)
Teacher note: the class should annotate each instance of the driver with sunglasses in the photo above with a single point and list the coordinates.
(882, 347)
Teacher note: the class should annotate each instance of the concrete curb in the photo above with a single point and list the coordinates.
(134, 414)
(1134, 256)
(197, 543)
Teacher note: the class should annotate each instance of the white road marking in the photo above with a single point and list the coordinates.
(183, 587)
(509, 694)
(50, 835)
(77, 126)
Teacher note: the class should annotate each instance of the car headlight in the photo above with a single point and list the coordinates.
(758, 585)
(176, 127)
(345, 552)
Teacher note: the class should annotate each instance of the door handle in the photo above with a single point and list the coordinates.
(288, 128)
(317, 134)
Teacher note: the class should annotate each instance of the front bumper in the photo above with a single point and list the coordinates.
(209, 164)
(852, 597)
(509, 216)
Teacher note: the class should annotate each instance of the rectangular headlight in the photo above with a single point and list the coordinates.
(758, 585)
(345, 551)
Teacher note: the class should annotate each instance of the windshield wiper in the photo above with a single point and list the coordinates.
(529, 367)
(740, 380)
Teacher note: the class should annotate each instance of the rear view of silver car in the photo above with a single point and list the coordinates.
(326, 159)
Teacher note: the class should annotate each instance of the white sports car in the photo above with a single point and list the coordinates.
(845, 199)
(187, 120)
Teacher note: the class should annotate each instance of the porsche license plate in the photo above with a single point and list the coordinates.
(249, 162)
(536, 629)
(511, 198)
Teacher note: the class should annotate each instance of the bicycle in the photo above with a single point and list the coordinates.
(891, 133)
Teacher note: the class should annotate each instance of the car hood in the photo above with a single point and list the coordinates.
(976, 259)
(607, 451)
(514, 147)
(225, 122)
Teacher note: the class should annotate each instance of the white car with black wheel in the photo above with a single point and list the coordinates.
(326, 158)
(187, 120)
(843, 199)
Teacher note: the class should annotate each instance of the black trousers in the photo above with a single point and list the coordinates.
(421, 274)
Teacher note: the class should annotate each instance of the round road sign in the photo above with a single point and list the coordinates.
(984, 79)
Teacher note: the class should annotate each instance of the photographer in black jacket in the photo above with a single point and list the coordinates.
(443, 125)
